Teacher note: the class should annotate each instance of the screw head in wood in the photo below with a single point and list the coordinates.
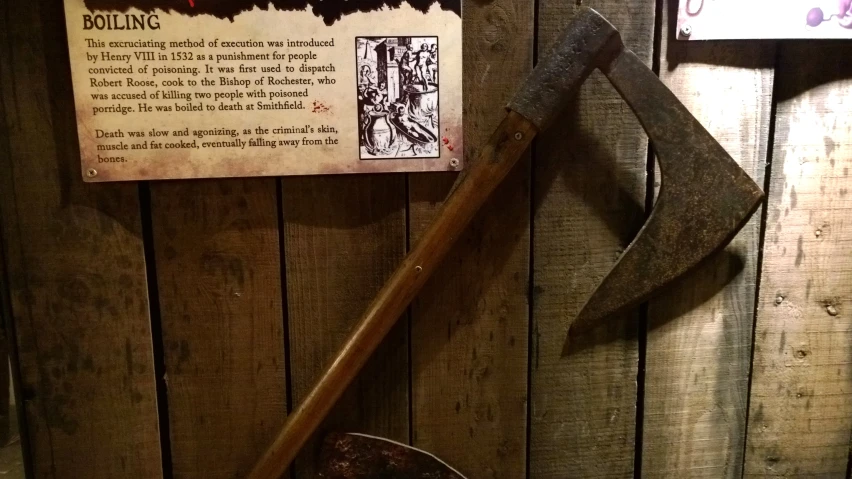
(519, 135)
(686, 30)
(418, 269)
(91, 172)
(454, 163)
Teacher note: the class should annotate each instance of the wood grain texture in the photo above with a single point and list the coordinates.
(77, 272)
(219, 277)
(589, 184)
(700, 331)
(506, 146)
(6, 352)
(470, 322)
(6, 316)
(800, 414)
(344, 237)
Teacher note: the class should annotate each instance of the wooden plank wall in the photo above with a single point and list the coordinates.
(343, 238)
(76, 271)
(219, 286)
(801, 396)
(589, 183)
(470, 323)
(699, 333)
(165, 329)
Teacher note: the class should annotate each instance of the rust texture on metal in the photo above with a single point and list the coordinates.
(355, 456)
(705, 197)
(585, 45)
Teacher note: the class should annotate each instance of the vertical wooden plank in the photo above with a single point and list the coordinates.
(13, 433)
(7, 407)
(16, 420)
(344, 237)
(470, 323)
(589, 183)
(77, 272)
(800, 414)
(219, 278)
(700, 332)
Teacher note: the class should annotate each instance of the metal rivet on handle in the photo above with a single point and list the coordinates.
(418, 269)
(518, 135)
(91, 172)
(454, 163)
(686, 30)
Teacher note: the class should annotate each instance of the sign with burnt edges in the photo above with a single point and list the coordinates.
(224, 88)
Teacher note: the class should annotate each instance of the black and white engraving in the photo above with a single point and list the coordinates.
(398, 97)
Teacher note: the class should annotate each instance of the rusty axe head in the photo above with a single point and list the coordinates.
(705, 197)
(358, 456)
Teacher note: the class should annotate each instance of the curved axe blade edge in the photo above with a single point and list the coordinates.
(704, 200)
(359, 456)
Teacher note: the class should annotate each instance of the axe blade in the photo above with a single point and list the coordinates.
(705, 198)
(358, 456)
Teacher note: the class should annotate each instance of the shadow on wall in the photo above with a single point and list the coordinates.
(733, 53)
(723, 267)
(831, 65)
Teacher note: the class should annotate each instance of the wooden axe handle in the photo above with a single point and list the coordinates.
(496, 159)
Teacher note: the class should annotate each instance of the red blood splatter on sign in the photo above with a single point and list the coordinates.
(319, 107)
(446, 142)
(191, 4)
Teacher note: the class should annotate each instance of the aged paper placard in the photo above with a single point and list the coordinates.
(223, 88)
(758, 19)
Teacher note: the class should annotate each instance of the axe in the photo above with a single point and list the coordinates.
(704, 200)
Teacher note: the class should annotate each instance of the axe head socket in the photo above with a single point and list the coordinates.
(588, 44)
